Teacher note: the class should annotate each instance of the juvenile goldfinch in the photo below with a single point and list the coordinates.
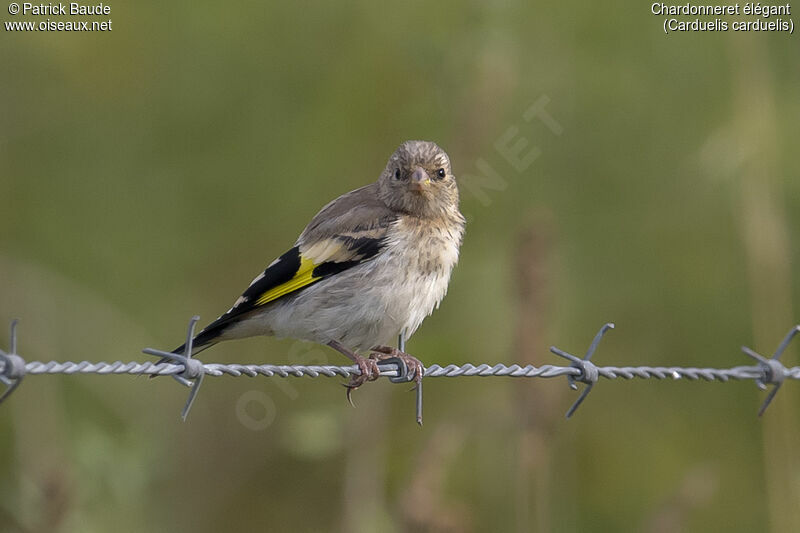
(372, 264)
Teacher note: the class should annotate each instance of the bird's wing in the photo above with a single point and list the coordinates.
(348, 231)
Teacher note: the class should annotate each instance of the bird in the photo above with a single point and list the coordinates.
(369, 267)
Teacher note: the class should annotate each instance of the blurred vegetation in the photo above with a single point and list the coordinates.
(147, 174)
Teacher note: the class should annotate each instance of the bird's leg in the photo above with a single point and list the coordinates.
(368, 367)
(381, 353)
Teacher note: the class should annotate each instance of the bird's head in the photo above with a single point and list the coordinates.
(418, 180)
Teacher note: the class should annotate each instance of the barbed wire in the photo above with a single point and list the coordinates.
(190, 371)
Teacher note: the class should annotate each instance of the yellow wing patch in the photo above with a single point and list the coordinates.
(304, 276)
(329, 250)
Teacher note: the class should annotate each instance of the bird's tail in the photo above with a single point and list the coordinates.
(196, 348)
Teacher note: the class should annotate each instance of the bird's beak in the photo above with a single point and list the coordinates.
(420, 181)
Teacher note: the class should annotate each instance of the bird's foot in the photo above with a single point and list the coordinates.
(415, 368)
(369, 372)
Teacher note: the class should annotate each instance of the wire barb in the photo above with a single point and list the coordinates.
(13, 365)
(773, 371)
(589, 374)
(401, 345)
(193, 369)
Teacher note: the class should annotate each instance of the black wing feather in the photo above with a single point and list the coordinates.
(282, 271)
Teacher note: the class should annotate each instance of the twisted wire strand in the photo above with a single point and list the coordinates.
(190, 371)
(433, 371)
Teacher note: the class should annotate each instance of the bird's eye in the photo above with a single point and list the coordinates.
(441, 173)
(397, 173)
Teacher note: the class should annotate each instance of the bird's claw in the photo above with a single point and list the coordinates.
(369, 372)
(414, 366)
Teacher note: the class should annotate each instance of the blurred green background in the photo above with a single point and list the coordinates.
(148, 173)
